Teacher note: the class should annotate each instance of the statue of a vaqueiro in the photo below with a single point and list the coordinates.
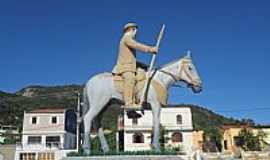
(104, 88)
(126, 63)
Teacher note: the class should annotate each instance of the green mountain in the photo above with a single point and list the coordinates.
(12, 107)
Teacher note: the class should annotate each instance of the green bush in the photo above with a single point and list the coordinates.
(147, 152)
(9, 141)
(250, 142)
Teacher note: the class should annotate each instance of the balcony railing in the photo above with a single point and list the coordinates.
(39, 146)
(54, 145)
(147, 127)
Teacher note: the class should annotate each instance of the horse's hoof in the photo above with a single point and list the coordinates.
(87, 153)
(133, 114)
(106, 150)
(157, 150)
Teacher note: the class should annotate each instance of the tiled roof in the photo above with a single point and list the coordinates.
(48, 110)
(236, 126)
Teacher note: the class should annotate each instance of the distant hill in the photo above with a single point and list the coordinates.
(12, 106)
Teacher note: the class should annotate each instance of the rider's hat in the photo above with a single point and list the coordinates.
(128, 25)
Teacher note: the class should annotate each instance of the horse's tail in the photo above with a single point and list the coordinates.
(86, 105)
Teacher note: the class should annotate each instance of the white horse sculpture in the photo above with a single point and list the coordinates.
(99, 90)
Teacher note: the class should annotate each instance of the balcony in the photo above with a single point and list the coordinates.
(41, 146)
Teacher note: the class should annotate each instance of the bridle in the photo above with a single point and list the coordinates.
(176, 78)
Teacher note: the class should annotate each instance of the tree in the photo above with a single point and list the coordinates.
(9, 141)
(213, 137)
(250, 142)
(261, 135)
(248, 121)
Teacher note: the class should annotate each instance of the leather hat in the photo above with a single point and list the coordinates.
(128, 25)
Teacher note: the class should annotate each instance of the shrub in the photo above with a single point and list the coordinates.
(146, 152)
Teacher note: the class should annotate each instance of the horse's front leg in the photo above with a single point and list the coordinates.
(156, 122)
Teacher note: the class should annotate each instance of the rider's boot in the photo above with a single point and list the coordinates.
(133, 107)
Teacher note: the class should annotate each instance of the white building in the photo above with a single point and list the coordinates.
(46, 134)
(135, 134)
(8, 131)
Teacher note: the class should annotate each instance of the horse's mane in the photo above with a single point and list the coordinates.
(170, 63)
(173, 62)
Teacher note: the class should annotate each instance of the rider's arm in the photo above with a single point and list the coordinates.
(130, 42)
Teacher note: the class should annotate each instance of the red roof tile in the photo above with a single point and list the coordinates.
(48, 110)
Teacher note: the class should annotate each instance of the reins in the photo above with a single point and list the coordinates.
(175, 78)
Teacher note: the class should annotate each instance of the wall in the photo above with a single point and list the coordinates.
(168, 120)
(41, 146)
(197, 140)
(43, 123)
(130, 146)
(232, 132)
(70, 141)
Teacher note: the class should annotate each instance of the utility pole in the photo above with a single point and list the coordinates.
(78, 120)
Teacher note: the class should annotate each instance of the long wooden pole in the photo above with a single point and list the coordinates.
(151, 65)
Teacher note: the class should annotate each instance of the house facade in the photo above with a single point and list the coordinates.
(46, 133)
(135, 134)
(231, 136)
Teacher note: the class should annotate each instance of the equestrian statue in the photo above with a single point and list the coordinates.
(130, 86)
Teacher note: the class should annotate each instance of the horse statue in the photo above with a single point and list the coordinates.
(100, 90)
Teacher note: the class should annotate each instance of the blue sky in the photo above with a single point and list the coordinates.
(65, 42)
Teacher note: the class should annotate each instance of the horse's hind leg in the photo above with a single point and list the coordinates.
(86, 140)
(96, 105)
(98, 127)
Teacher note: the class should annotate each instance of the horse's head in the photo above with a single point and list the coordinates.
(189, 74)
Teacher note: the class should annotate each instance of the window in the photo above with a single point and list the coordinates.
(225, 145)
(54, 120)
(53, 141)
(46, 156)
(178, 119)
(34, 140)
(138, 138)
(177, 137)
(134, 121)
(34, 120)
(25, 156)
(238, 141)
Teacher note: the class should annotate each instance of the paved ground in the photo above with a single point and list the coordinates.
(127, 157)
(7, 152)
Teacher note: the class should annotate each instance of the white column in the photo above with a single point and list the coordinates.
(43, 141)
(62, 137)
(24, 139)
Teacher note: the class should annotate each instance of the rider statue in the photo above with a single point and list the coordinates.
(126, 62)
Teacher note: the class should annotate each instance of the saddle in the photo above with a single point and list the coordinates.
(139, 85)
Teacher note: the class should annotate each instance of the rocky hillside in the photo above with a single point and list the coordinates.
(12, 106)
